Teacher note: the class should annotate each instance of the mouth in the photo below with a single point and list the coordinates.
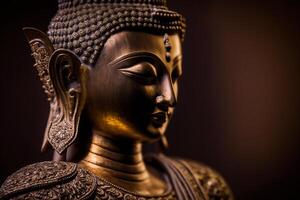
(159, 118)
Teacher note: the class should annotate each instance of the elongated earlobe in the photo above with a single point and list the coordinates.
(68, 76)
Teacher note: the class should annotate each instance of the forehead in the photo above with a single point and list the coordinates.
(127, 42)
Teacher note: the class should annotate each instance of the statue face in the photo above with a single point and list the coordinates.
(133, 88)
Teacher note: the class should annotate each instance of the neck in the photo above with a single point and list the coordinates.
(120, 159)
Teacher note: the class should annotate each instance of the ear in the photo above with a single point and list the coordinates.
(65, 73)
(42, 49)
(68, 76)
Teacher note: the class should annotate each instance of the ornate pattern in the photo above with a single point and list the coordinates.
(82, 187)
(37, 175)
(81, 184)
(41, 56)
(107, 190)
(84, 26)
(61, 180)
(60, 134)
(212, 182)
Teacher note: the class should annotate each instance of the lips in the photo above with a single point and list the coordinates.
(159, 118)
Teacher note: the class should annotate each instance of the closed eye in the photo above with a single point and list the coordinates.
(143, 72)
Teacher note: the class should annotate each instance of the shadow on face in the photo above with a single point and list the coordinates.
(132, 90)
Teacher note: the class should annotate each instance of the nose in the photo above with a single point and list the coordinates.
(167, 97)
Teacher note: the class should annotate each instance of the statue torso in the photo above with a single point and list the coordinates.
(65, 180)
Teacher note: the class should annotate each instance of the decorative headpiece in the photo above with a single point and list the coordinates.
(83, 26)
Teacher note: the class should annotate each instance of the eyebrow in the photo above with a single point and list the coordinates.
(133, 55)
(142, 54)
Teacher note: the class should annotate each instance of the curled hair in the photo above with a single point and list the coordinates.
(84, 26)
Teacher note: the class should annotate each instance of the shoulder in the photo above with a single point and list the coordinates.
(49, 180)
(213, 184)
(200, 178)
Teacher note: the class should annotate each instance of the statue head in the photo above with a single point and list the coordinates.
(113, 64)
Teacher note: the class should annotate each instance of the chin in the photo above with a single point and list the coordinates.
(155, 133)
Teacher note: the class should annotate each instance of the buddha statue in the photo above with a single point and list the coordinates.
(110, 71)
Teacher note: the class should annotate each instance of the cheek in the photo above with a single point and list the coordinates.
(138, 101)
(103, 93)
(111, 91)
(137, 104)
(115, 100)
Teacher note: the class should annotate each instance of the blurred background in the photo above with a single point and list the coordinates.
(239, 104)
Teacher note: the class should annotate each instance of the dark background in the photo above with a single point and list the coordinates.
(239, 97)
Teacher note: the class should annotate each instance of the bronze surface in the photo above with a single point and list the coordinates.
(138, 73)
(115, 100)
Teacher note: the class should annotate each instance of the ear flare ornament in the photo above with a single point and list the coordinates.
(55, 69)
(42, 50)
